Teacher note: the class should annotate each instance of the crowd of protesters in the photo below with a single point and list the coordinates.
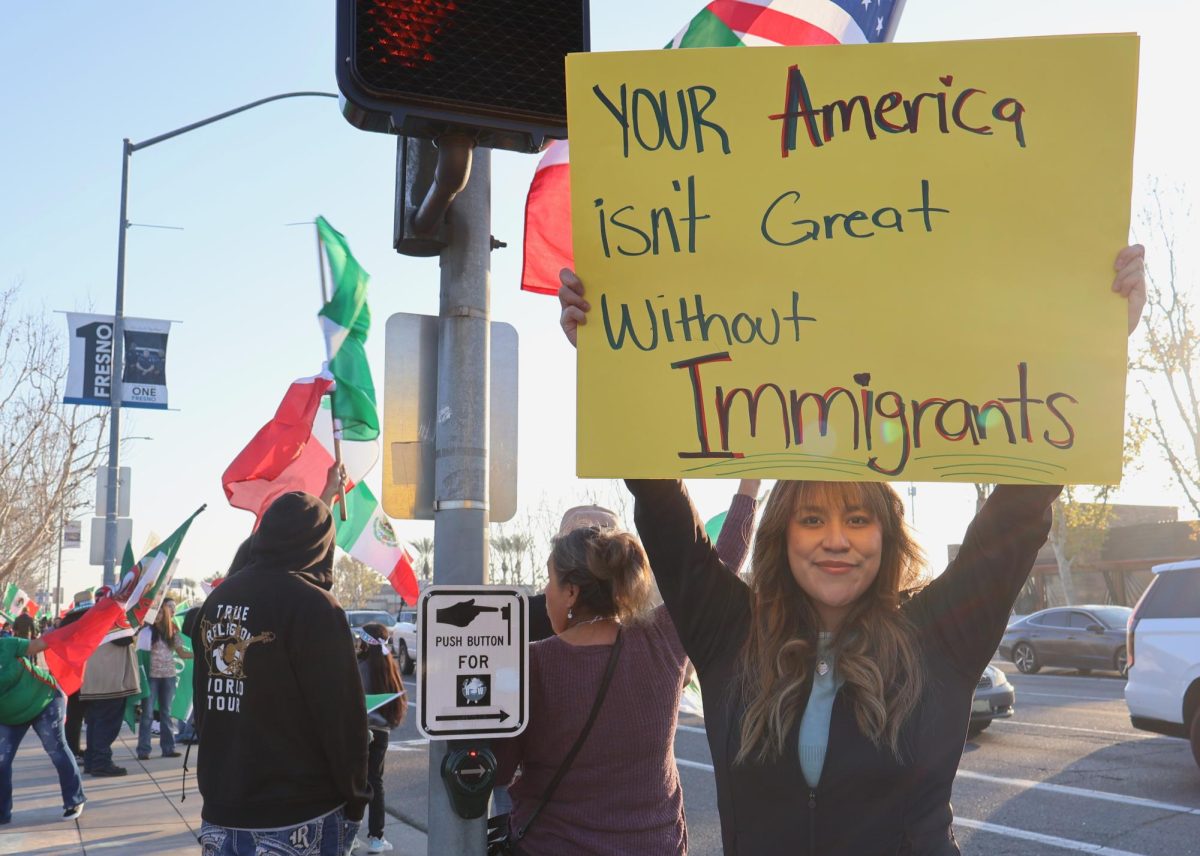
(837, 679)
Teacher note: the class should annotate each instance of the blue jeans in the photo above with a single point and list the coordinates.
(162, 690)
(49, 727)
(328, 835)
(103, 717)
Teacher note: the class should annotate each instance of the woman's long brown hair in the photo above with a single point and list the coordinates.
(385, 677)
(875, 647)
(164, 628)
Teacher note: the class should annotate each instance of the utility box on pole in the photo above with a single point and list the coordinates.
(124, 491)
(410, 415)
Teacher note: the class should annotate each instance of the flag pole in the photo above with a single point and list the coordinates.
(337, 440)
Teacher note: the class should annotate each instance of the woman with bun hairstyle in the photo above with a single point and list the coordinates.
(621, 792)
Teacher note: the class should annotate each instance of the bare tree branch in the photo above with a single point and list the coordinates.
(1167, 365)
(48, 450)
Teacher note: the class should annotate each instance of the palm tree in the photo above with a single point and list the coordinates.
(424, 548)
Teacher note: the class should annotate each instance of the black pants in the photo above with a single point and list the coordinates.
(375, 758)
(104, 718)
(74, 723)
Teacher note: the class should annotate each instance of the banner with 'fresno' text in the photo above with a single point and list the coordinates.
(144, 359)
(855, 262)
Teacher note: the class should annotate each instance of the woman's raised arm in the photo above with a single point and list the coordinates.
(700, 593)
(968, 606)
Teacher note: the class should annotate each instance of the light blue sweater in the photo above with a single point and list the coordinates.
(814, 725)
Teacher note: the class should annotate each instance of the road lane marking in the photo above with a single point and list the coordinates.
(1012, 832)
(1030, 784)
(1052, 840)
(1128, 735)
(415, 745)
(1024, 693)
(1136, 735)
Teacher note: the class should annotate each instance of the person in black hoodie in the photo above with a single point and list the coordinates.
(279, 707)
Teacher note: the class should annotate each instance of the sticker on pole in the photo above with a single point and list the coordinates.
(473, 662)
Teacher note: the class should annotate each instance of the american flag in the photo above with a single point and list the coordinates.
(721, 23)
(771, 23)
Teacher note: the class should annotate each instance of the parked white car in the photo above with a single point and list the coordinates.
(404, 641)
(402, 636)
(1163, 640)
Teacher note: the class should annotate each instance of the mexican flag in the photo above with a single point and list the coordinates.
(143, 587)
(358, 456)
(367, 535)
(68, 648)
(377, 700)
(293, 451)
(721, 23)
(15, 601)
(346, 321)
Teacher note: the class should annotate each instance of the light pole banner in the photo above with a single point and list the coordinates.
(855, 262)
(90, 375)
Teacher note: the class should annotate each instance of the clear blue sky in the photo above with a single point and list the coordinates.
(80, 77)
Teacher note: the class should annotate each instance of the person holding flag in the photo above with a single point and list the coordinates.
(271, 637)
(30, 697)
(113, 675)
(35, 697)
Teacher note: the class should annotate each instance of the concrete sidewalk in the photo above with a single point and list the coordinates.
(140, 813)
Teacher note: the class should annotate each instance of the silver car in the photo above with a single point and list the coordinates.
(994, 699)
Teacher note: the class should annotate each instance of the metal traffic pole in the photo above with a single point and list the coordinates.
(461, 446)
(116, 387)
(118, 328)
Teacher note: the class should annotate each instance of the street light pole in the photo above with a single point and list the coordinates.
(116, 386)
(62, 525)
(118, 328)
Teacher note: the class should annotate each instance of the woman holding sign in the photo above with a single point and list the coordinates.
(836, 690)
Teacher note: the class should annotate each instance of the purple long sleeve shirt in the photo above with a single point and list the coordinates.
(622, 793)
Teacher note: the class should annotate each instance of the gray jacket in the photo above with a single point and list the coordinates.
(112, 672)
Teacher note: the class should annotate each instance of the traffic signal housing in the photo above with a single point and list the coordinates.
(493, 69)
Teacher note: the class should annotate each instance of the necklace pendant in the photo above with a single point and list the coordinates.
(822, 668)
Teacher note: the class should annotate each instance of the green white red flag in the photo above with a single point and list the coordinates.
(14, 601)
(143, 587)
(367, 535)
(346, 321)
(68, 648)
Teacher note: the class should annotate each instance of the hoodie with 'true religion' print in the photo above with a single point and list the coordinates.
(279, 705)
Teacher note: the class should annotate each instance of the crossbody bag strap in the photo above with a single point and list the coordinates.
(566, 764)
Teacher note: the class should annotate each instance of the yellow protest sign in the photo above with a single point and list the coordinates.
(856, 262)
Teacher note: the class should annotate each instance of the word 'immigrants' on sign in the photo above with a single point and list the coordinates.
(855, 262)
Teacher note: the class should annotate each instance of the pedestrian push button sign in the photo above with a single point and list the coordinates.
(473, 661)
